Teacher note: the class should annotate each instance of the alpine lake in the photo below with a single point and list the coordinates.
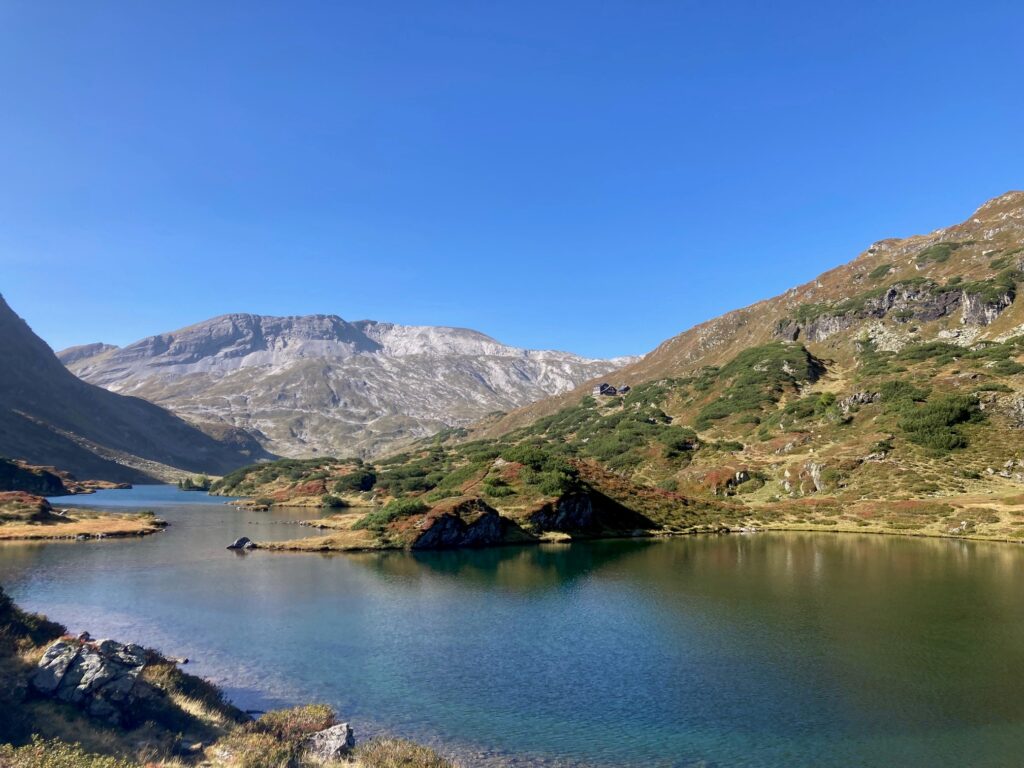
(771, 649)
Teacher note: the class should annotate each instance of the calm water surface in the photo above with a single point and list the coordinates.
(765, 650)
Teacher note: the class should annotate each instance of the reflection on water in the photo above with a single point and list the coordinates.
(794, 649)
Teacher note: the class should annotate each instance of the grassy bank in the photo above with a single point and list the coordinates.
(24, 516)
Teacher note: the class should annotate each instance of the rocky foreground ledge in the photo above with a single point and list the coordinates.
(75, 702)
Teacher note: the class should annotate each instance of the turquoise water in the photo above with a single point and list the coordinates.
(764, 650)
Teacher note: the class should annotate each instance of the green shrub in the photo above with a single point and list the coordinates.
(730, 446)
(498, 488)
(937, 253)
(355, 482)
(895, 393)
(755, 483)
(438, 494)
(757, 377)
(1008, 368)
(938, 351)
(460, 475)
(872, 361)
(934, 425)
(394, 510)
(993, 386)
(333, 502)
(880, 271)
(529, 455)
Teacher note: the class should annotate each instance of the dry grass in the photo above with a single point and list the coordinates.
(398, 753)
(82, 523)
(339, 541)
(296, 722)
(246, 749)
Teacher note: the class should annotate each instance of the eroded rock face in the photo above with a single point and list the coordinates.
(101, 678)
(979, 310)
(467, 523)
(903, 303)
(569, 514)
(588, 514)
(1016, 411)
(850, 402)
(331, 743)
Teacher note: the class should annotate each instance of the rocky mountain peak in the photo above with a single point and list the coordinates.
(318, 383)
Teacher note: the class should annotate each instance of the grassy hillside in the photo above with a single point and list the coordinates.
(887, 395)
(897, 292)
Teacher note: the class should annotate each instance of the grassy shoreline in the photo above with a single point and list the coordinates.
(342, 542)
(26, 517)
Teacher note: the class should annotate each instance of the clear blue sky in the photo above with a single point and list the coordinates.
(593, 176)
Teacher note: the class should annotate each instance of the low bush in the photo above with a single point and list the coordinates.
(53, 753)
(257, 749)
(498, 488)
(937, 253)
(935, 424)
(295, 722)
(390, 512)
(880, 271)
(356, 482)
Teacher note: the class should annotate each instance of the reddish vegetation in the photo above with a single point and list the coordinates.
(511, 471)
(311, 488)
(719, 479)
(24, 503)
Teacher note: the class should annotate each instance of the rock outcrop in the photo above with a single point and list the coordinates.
(463, 523)
(903, 302)
(980, 309)
(102, 678)
(15, 476)
(332, 743)
(588, 514)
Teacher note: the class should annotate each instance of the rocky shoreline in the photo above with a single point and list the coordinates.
(104, 704)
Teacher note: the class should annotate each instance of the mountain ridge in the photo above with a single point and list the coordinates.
(309, 384)
(48, 416)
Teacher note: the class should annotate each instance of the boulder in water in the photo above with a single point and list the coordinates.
(242, 543)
